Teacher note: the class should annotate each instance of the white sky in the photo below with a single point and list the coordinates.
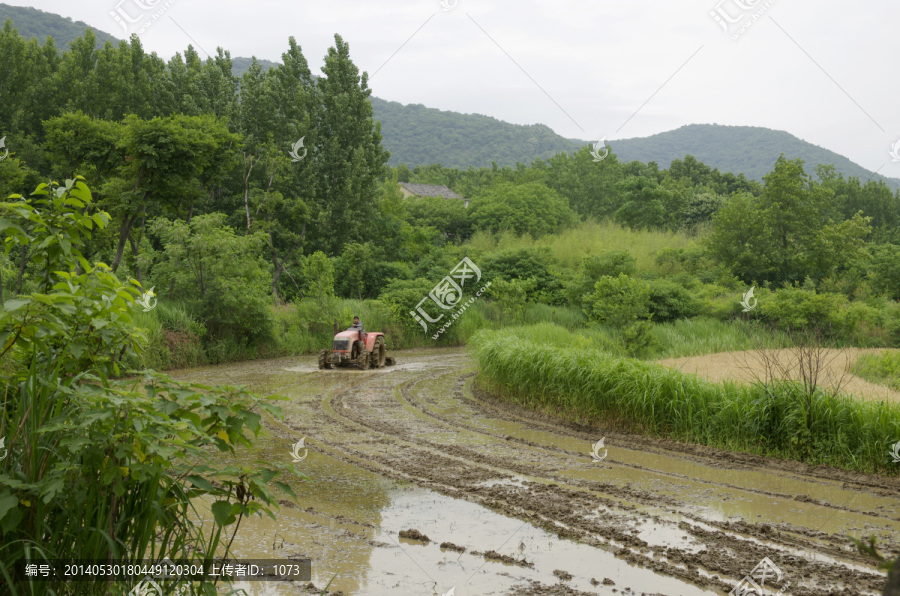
(820, 70)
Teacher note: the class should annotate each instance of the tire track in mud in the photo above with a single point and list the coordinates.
(389, 423)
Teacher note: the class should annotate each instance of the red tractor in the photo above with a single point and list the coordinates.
(355, 348)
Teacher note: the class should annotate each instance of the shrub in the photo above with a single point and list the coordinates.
(609, 262)
(618, 301)
(100, 469)
(795, 308)
(533, 264)
(670, 301)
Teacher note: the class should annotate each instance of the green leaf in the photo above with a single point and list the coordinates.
(222, 512)
(7, 502)
(11, 305)
(201, 482)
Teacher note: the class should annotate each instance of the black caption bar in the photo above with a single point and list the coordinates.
(87, 570)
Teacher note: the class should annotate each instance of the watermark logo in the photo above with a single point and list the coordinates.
(295, 454)
(748, 296)
(448, 5)
(735, 17)
(448, 294)
(451, 592)
(595, 452)
(894, 152)
(146, 587)
(3, 146)
(5, 451)
(895, 454)
(599, 153)
(145, 298)
(295, 156)
(754, 582)
(132, 20)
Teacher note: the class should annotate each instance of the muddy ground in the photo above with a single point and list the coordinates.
(494, 499)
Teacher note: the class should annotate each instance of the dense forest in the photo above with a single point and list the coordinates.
(215, 205)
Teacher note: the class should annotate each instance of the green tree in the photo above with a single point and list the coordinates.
(171, 162)
(588, 185)
(530, 208)
(280, 108)
(319, 274)
(349, 158)
(220, 275)
(884, 274)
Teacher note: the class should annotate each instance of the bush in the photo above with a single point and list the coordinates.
(527, 264)
(623, 303)
(609, 262)
(670, 301)
(618, 301)
(795, 308)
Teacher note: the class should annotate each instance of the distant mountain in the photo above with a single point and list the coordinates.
(241, 65)
(417, 135)
(750, 150)
(37, 24)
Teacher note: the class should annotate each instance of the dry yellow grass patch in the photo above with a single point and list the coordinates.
(749, 366)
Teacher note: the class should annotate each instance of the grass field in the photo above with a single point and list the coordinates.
(589, 238)
(549, 368)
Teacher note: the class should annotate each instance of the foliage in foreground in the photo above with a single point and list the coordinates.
(98, 469)
(547, 367)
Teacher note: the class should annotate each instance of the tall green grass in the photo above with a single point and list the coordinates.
(883, 368)
(702, 335)
(572, 245)
(547, 367)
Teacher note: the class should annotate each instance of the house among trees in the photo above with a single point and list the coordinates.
(429, 190)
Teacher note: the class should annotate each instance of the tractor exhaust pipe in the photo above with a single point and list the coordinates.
(335, 327)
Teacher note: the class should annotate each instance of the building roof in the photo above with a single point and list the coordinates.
(431, 190)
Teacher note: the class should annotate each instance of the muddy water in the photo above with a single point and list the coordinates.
(416, 447)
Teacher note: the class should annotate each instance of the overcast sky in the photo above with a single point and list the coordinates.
(822, 71)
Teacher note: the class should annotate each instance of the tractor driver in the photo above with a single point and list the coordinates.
(358, 327)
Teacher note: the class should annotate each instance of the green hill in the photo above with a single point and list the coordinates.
(37, 24)
(750, 150)
(241, 65)
(416, 135)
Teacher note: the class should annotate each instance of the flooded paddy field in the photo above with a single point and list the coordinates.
(494, 499)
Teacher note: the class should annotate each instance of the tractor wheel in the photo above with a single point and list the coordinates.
(378, 353)
(323, 362)
(362, 360)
